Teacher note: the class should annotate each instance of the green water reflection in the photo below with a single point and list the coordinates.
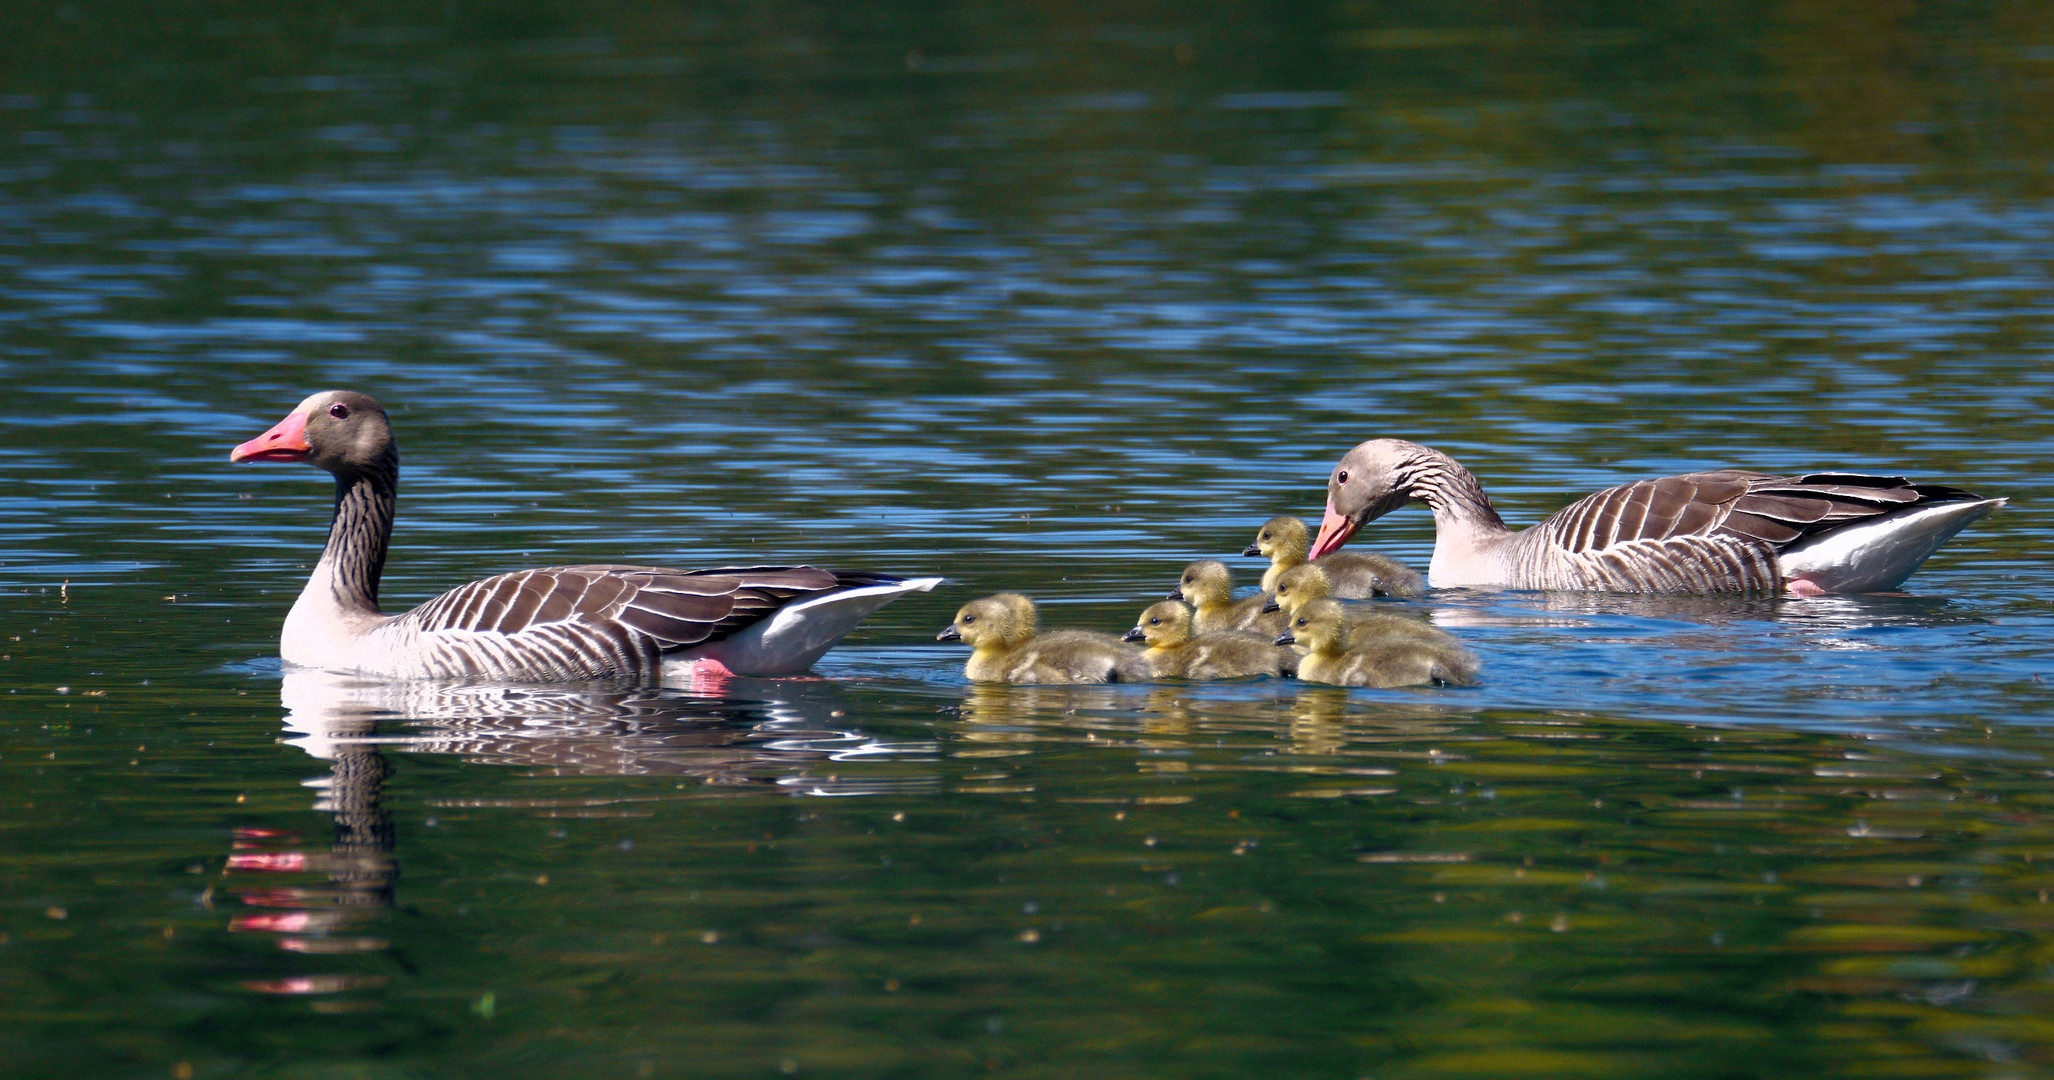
(1032, 878)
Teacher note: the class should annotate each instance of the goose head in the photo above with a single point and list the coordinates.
(1205, 583)
(1321, 626)
(1364, 486)
(1165, 625)
(1002, 620)
(1299, 586)
(341, 431)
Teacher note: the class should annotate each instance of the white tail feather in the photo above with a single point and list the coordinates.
(1878, 554)
(791, 640)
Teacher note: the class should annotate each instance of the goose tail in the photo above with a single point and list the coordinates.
(1877, 554)
(791, 640)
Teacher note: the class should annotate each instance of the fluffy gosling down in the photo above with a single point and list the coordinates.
(1392, 660)
(1208, 586)
(1175, 651)
(1306, 582)
(1004, 647)
(1355, 575)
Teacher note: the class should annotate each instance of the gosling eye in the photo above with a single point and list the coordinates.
(968, 619)
(339, 411)
(1264, 536)
(1155, 622)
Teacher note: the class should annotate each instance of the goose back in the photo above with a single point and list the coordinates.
(595, 621)
(1708, 532)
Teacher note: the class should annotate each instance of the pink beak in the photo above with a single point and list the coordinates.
(1334, 530)
(286, 441)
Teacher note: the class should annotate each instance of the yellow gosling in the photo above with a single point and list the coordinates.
(1005, 647)
(1208, 586)
(1306, 582)
(1286, 541)
(1395, 660)
(1176, 651)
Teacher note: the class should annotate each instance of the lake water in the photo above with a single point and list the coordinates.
(1051, 298)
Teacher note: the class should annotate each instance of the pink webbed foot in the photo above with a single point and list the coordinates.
(710, 676)
(1798, 586)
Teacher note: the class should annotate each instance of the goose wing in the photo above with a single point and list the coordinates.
(603, 620)
(1717, 531)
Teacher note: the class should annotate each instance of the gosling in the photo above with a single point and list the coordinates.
(1208, 586)
(1355, 575)
(1306, 582)
(1175, 652)
(1395, 660)
(1004, 647)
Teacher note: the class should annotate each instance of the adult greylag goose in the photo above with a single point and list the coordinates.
(1005, 646)
(1208, 586)
(1176, 652)
(1306, 582)
(1400, 659)
(1709, 532)
(557, 623)
(1286, 541)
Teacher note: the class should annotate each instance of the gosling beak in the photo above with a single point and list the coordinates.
(1285, 638)
(1272, 606)
(948, 633)
(1252, 549)
(1133, 634)
(1334, 530)
(1176, 594)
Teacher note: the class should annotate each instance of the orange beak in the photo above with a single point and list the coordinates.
(1334, 530)
(286, 441)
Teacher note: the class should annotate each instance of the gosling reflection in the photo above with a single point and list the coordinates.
(1326, 720)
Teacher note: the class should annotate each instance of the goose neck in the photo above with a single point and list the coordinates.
(358, 536)
(1452, 493)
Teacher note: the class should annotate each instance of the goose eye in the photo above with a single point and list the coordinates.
(339, 411)
(1341, 477)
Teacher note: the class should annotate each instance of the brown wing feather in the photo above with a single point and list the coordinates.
(1780, 510)
(618, 612)
(1689, 505)
(1775, 511)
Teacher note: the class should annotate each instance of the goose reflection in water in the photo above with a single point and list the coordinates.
(733, 738)
(1480, 608)
(788, 741)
